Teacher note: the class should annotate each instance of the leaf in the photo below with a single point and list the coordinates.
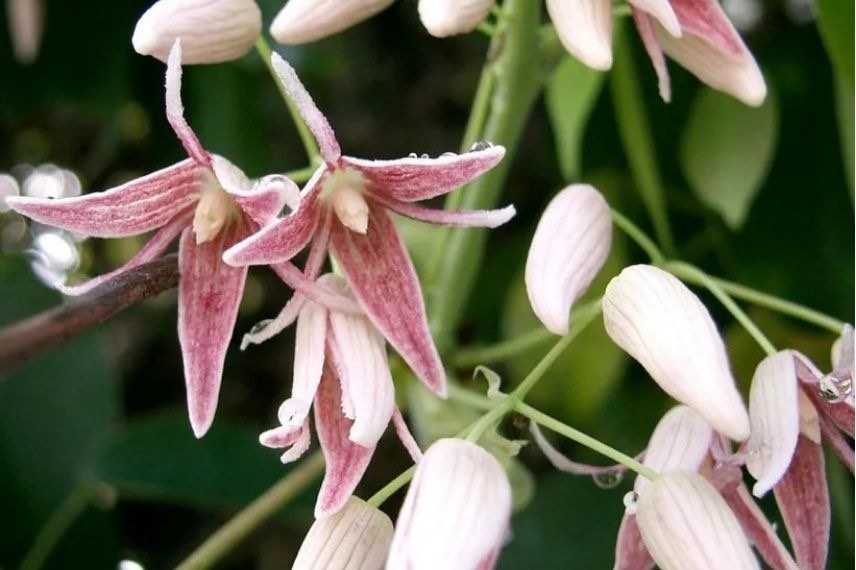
(835, 20)
(571, 93)
(844, 103)
(494, 380)
(727, 149)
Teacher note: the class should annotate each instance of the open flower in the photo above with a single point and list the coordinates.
(211, 205)
(695, 33)
(346, 205)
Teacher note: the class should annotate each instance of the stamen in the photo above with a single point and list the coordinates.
(213, 211)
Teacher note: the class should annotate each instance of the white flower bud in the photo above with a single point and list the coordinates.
(355, 538)
(211, 31)
(456, 511)
(444, 18)
(658, 321)
(585, 29)
(26, 23)
(685, 523)
(569, 247)
(303, 21)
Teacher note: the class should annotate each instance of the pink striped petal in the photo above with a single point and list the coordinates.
(382, 278)
(662, 11)
(774, 414)
(413, 179)
(209, 293)
(630, 551)
(405, 437)
(346, 461)
(281, 436)
(453, 218)
(152, 250)
(841, 413)
(315, 120)
(585, 29)
(648, 34)
(282, 240)
(175, 108)
(837, 442)
(136, 207)
(261, 202)
(297, 280)
(803, 499)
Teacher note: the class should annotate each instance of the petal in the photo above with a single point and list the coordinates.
(309, 347)
(444, 18)
(26, 24)
(681, 440)
(314, 118)
(456, 511)
(359, 355)
(585, 29)
(405, 437)
(840, 413)
(150, 251)
(685, 523)
(452, 218)
(299, 447)
(282, 240)
(263, 201)
(774, 413)
(346, 461)
(381, 275)
(569, 248)
(662, 11)
(648, 34)
(209, 292)
(562, 463)
(803, 499)
(136, 207)
(843, 354)
(281, 436)
(630, 551)
(330, 300)
(837, 442)
(304, 21)
(175, 108)
(355, 538)
(663, 325)
(413, 179)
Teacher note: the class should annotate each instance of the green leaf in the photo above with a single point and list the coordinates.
(844, 111)
(726, 152)
(571, 93)
(835, 20)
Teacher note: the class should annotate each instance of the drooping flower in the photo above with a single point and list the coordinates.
(456, 511)
(569, 247)
(303, 21)
(355, 538)
(695, 33)
(443, 18)
(346, 205)
(211, 205)
(211, 31)
(658, 321)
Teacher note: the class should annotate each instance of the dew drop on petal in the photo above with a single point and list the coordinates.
(481, 145)
(630, 501)
(260, 326)
(608, 480)
(424, 155)
(448, 154)
(412, 155)
(830, 390)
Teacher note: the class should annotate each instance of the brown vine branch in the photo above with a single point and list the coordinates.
(30, 337)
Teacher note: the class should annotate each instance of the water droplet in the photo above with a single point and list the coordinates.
(481, 145)
(412, 155)
(608, 480)
(424, 155)
(260, 326)
(631, 499)
(830, 389)
(448, 154)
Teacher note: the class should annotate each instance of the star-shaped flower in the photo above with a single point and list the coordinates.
(345, 207)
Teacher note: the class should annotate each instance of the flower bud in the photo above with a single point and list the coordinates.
(585, 29)
(211, 31)
(685, 523)
(456, 511)
(26, 23)
(303, 21)
(355, 538)
(658, 321)
(570, 246)
(443, 18)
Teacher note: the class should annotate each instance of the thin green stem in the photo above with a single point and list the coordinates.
(301, 175)
(470, 398)
(56, 526)
(264, 51)
(691, 273)
(391, 488)
(487, 29)
(576, 435)
(642, 240)
(245, 522)
(510, 348)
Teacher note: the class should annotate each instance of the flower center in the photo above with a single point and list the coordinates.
(213, 211)
(343, 190)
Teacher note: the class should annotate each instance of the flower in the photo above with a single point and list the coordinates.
(456, 511)
(658, 321)
(444, 18)
(569, 247)
(211, 205)
(211, 31)
(355, 538)
(345, 206)
(695, 33)
(303, 21)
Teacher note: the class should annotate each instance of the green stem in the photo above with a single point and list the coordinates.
(245, 522)
(575, 435)
(264, 51)
(301, 175)
(691, 273)
(473, 356)
(57, 525)
(390, 488)
(637, 235)
(635, 133)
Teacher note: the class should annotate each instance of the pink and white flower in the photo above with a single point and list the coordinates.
(345, 206)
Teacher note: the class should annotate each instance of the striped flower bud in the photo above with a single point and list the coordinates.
(355, 538)
(685, 523)
(570, 246)
(658, 321)
(211, 31)
(443, 18)
(304, 21)
(585, 29)
(456, 511)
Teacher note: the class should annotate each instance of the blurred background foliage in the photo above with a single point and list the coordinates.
(93, 436)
